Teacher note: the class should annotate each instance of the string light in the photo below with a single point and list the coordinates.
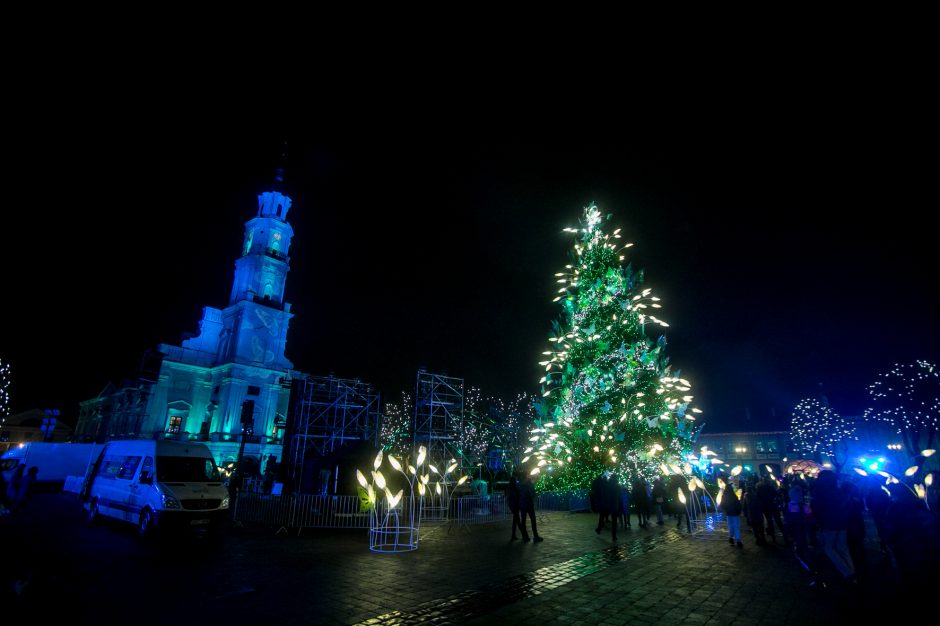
(601, 375)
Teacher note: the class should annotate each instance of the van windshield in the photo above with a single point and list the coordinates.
(182, 469)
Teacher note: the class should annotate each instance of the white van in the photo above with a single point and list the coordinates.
(161, 485)
(56, 461)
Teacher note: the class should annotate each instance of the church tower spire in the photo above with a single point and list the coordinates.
(258, 315)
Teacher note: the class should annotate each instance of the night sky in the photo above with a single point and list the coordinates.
(789, 251)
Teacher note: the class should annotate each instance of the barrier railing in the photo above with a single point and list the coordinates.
(318, 511)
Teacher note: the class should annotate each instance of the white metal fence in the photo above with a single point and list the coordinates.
(319, 511)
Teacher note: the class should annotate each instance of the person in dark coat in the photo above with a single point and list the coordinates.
(912, 534)
(3, 495)
(625, 505)
(878, 500)
(752, 508)
(767, 502)
(527, 507)
(641, 499)
(731, 507)
(674, 484)
(855, 531)
(607, 488)
(512, 499)
(831, 510)
(658, 495)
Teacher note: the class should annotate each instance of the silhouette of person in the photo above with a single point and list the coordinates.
(512, 499)
(527, 507)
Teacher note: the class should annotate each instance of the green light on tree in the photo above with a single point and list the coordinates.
(609, 397)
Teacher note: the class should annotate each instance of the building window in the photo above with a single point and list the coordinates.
(760, 447)
(772, 447)
(175, 423)
(253, 390)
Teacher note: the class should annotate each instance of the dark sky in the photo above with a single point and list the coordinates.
(792, 247)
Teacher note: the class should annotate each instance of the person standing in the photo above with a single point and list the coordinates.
(13, 489)
(527, 507)
(24, 490)
(625, 505)
(606, 495)
(3, 495)
(512, 499)
(641, 499)
(659, 499)
(731, 506)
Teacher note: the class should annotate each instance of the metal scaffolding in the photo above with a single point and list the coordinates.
(327, 413)
(438, 415)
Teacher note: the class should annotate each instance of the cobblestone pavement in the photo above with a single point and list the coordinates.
(473, 575)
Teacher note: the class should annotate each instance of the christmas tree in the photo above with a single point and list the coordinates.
(609, 398)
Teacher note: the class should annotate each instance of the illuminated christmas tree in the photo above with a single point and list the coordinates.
(908, 398)
(610, 399)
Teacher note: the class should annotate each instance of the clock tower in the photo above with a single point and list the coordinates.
(258, 315)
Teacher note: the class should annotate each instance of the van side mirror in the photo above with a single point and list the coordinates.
(146, 478)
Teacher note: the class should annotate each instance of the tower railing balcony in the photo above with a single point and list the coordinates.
(275, 254)
(274, 304)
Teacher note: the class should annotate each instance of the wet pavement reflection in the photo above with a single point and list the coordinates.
(461, 607)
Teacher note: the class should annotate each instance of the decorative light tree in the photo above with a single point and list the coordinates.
(396, 432)
(474, 441)
(610, 400)
(908, 398)
(816, 430)
(4, 394)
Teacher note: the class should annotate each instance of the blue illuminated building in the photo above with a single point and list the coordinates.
(234, 370)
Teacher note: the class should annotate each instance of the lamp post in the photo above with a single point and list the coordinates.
(248, 428)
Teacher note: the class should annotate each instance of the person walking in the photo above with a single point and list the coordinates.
(731, 507)
(512, 499)
(831, 509)
(527, 507)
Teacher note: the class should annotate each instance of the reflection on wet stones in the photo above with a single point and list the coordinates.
(462, 606)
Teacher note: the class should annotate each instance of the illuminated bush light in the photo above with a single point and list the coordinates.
(394, 523)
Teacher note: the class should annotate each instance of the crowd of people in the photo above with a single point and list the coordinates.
(822, 519)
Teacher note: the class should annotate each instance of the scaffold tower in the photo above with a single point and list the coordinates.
(328, 413)
(439, 402)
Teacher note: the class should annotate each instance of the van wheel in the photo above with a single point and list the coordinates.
(145, 526)
(93, 514)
